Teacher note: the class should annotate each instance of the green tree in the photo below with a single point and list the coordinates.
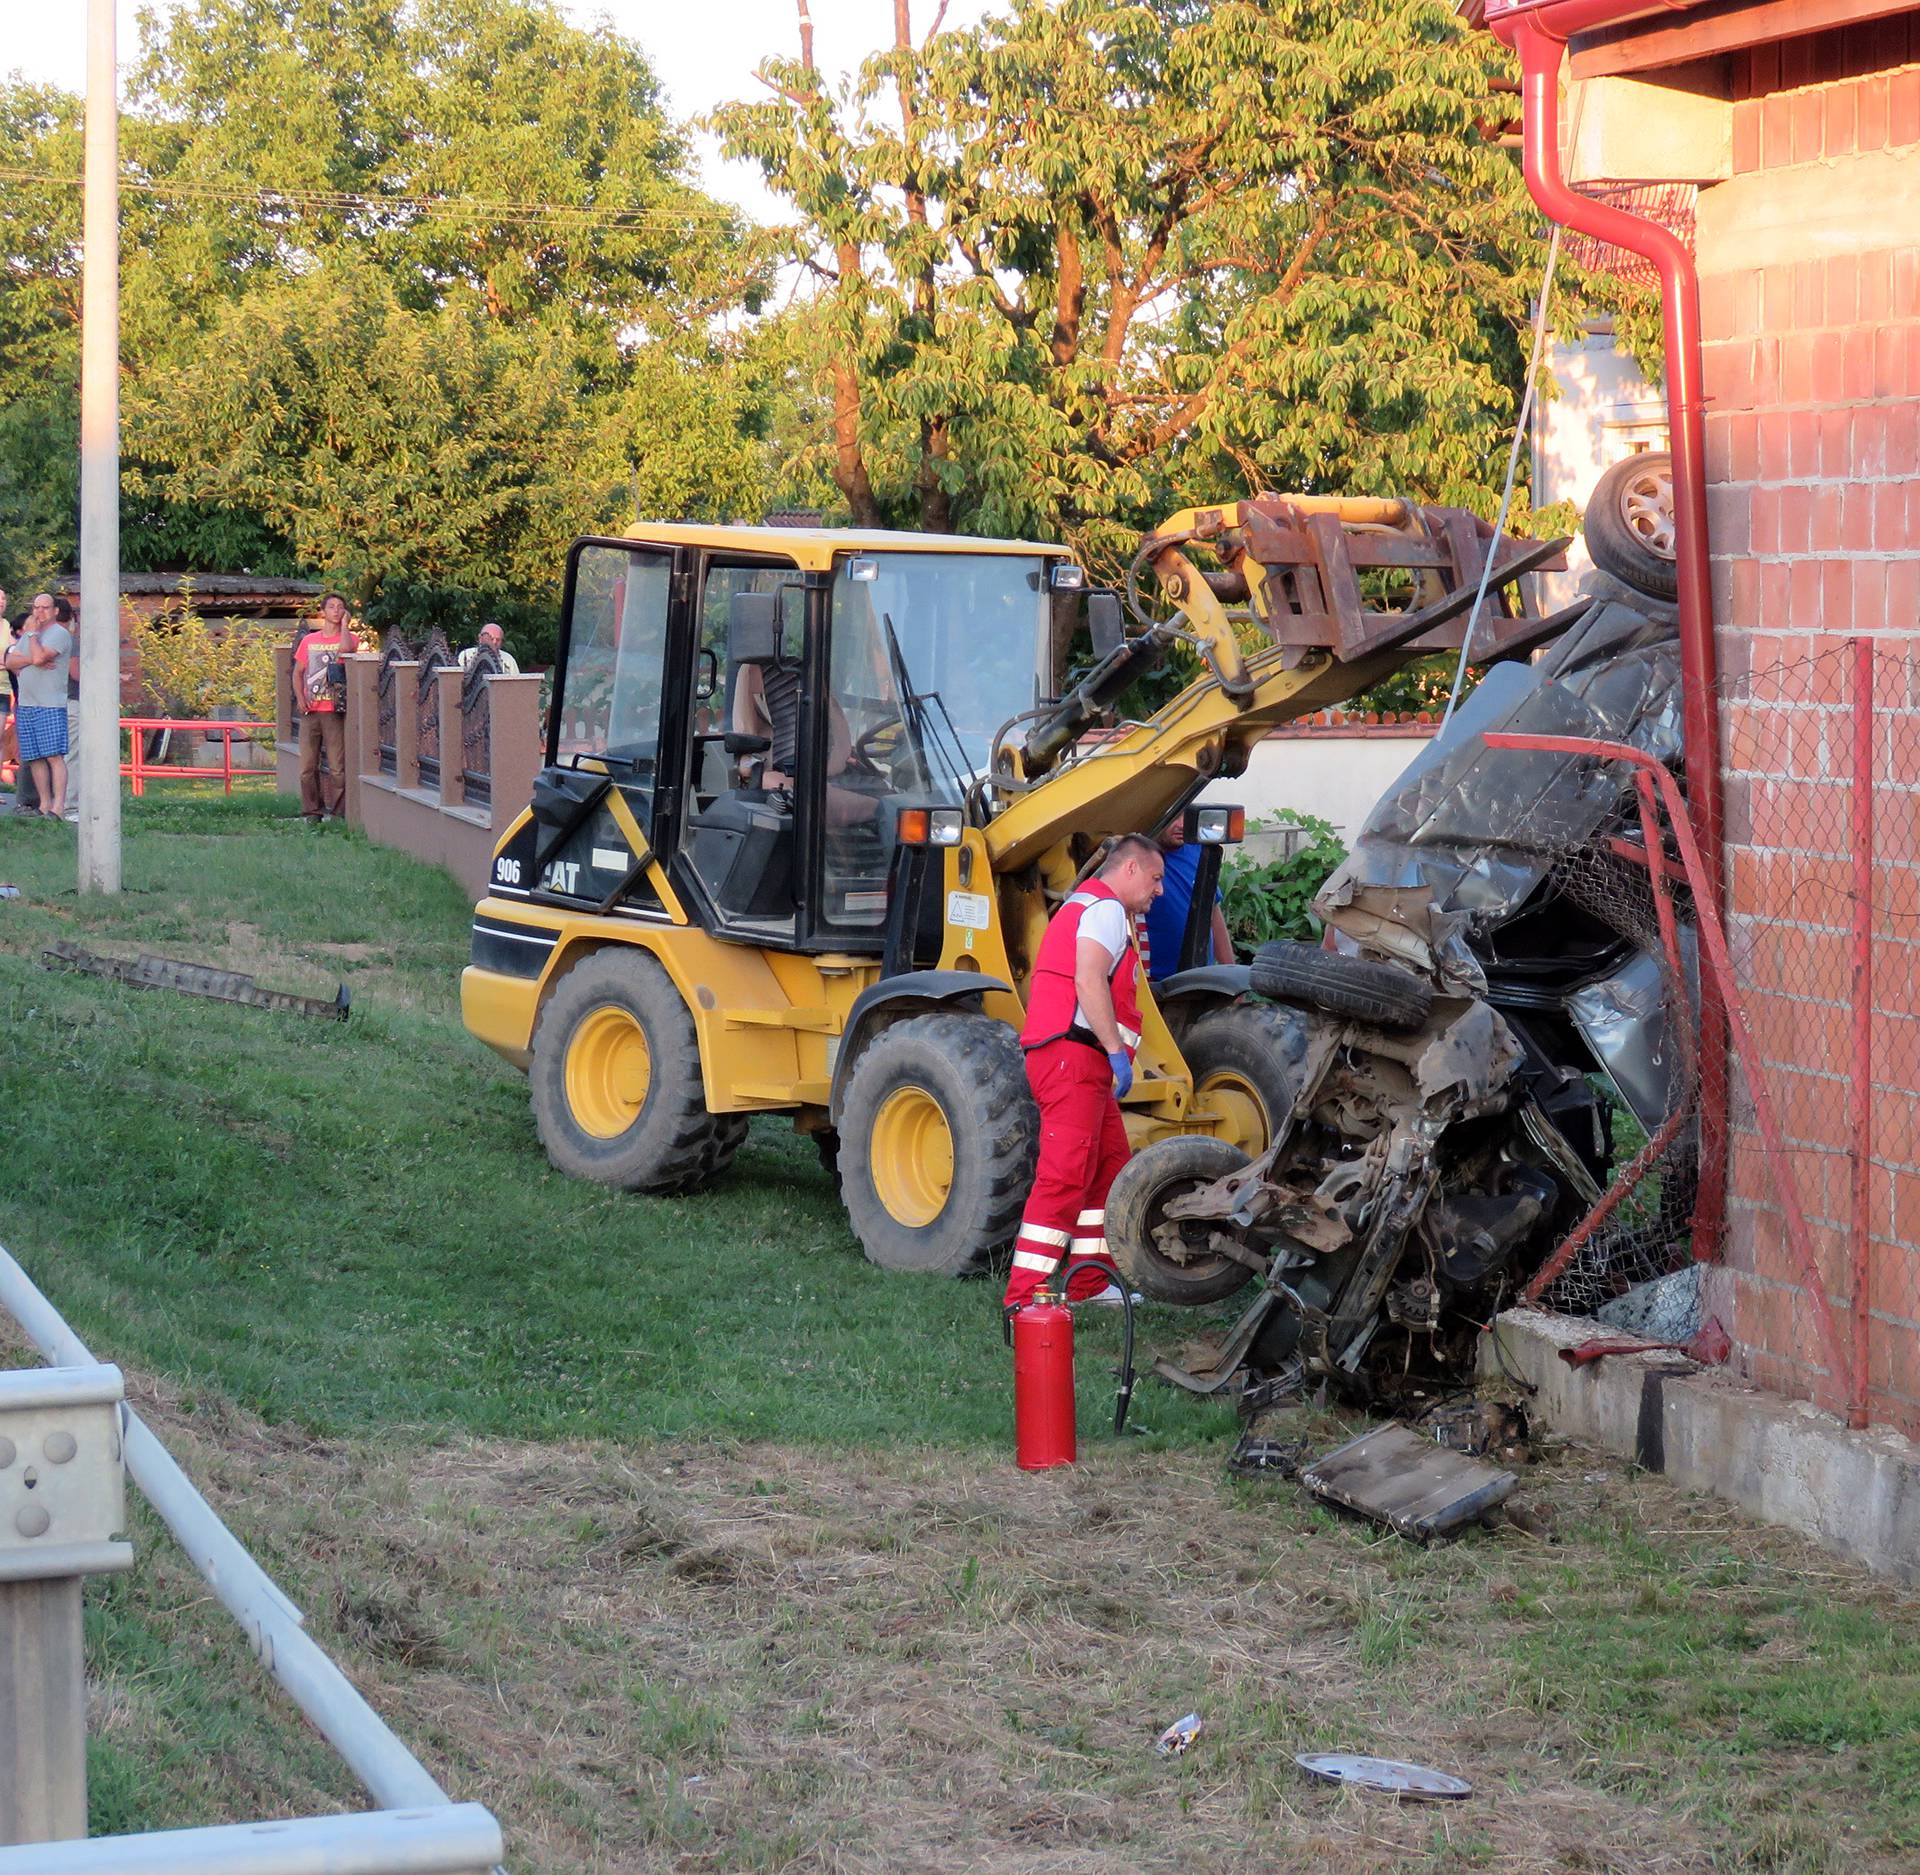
(1086, 262)
(413, 291)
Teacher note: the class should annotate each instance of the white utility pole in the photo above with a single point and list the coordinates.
(99, 764)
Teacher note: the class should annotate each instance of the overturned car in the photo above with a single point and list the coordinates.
(1494, 1027)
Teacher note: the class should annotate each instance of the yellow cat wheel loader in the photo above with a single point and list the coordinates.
(810, 798)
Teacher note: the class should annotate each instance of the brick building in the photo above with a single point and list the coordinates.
(1799, 126)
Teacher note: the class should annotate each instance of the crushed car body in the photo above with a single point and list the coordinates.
(1489, 1031)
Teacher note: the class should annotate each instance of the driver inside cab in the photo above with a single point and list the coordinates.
(766, 702)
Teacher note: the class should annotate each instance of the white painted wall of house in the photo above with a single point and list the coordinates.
(1334, 775)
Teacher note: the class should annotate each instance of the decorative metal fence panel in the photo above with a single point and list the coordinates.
(395, 651)
(434, 657)
(476, 753)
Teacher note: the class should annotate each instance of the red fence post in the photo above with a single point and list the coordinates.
(1860, 1144)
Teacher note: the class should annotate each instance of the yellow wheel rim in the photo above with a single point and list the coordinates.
(608, 1069)
(911, 1156)
(1243, 1114)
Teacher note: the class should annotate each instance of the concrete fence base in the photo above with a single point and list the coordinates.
(1783, 1461)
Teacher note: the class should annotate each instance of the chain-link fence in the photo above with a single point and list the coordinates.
(1785, 1146)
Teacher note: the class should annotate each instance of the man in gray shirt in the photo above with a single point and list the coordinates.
(38, 659)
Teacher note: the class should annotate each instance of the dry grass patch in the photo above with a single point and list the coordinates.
(677, 1657)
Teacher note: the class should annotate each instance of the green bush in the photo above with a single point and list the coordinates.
(1268, 900)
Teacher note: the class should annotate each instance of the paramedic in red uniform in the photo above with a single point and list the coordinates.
(1081, 1033)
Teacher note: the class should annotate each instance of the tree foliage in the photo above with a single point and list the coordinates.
(413, 291)
(1086, 262)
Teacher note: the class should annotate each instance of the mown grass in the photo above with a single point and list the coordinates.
(353, 1227)
(684, 1538)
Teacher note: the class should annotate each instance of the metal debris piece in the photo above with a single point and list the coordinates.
(1179, 1735)
(1401, 1479)
(149, 972)
(1711, 1347)
(1258, 1457)
(1480, 1428)
(1391, 1776)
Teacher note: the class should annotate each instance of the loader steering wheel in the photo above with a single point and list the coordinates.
(876, 746)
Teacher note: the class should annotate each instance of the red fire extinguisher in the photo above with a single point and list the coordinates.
(1043, 1430)
(1043, 1399)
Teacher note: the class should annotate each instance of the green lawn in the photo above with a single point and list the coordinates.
(687, 1541)
(353, 1227)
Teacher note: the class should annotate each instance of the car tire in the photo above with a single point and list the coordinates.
(1629, 524)
(1148, 1182)
(939, 1138)
(617, 1090)
(1353, 987)
(1245, 1059)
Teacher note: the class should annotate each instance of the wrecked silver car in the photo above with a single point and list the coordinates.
(1493, 1025)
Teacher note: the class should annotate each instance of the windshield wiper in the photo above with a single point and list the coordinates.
(917, 719)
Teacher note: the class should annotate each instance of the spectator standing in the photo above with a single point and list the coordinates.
(63, 616)
(9, 753)
(319, 694)
(493, 639)
(37, 660)
(1166, 917)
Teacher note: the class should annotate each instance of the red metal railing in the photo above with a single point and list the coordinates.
(141, 771)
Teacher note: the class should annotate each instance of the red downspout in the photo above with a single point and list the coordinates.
(1538, 30)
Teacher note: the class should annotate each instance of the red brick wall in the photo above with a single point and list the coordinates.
(1813, 435)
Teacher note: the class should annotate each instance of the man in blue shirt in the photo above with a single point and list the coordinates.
(1166, 917)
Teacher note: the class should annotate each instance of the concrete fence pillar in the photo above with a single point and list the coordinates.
(453, 781)
(517, 744)
(363, 729)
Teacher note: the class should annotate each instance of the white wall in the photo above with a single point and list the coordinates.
(1604, 410)
(1334, 775)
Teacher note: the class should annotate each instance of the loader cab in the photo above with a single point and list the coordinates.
(744, 714)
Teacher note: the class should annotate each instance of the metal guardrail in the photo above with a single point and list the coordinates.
(420, 1830)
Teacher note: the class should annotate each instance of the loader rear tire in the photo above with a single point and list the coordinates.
(1192, 1273)
(1245, 1060)
(939, 1137)
(618, 1095)
(1362, 991)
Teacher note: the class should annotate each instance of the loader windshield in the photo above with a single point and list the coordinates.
(932, 652)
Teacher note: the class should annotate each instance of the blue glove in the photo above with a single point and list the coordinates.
(1122, 1073)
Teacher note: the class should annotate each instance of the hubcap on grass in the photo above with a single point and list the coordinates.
(911, 1156)
(1243, 1114)
(608, 1069)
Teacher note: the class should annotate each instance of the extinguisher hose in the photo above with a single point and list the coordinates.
(1123, 1397)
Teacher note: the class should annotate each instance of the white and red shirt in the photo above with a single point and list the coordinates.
(1093, 912)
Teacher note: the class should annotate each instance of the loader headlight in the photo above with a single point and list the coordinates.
(1215, 826)
(931, 826)
(1066, 577)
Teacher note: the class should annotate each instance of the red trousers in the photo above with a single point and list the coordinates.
(1083, 1145)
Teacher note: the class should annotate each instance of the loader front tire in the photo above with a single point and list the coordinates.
(1245, 1060)
(618, 1096)
(939, 1137)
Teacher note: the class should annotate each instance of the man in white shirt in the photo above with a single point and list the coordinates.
(493, 639)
